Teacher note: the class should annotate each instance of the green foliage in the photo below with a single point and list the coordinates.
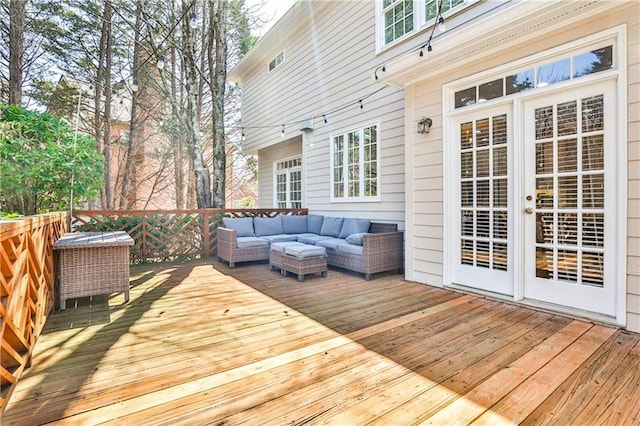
(39, 158)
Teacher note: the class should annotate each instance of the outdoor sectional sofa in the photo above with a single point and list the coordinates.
(355, 244)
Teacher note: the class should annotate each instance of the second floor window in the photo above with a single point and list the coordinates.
(431, 7)
(277, 61)
(398, 19)
(355, 165)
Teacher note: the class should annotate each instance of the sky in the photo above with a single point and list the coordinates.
(270, 11)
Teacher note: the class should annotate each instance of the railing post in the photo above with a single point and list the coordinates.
(206, 234)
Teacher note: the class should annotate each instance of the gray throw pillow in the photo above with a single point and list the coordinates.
(314, 223)
(355, 238)
(294, 224)
(331, 226)
(354, 226)
(242, 225)
(267, 225)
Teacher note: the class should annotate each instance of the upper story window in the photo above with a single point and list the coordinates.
(398, 18)
(277, 61)
(354, 165)
(431, 7)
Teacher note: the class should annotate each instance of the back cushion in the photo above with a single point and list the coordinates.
(331, 226)
(294, 224)
(314, 223)
(242, 225)
(354, 226)
(267, 225)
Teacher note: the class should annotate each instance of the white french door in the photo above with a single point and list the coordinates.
(569, 214)
(482, 246)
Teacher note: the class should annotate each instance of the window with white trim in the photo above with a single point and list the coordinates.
(398, 18)
(277, 61)
(288, 183)
(354, 165)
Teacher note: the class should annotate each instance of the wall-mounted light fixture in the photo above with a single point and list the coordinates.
(424, 124)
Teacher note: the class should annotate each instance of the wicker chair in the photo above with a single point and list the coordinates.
(229, 251)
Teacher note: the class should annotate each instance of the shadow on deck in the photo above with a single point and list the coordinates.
(200, 343)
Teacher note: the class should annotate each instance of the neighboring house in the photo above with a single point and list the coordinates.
(527, 185)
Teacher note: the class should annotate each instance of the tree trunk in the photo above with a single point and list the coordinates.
(16, 49)
(107, 35)
(192, 120)
(218, 77)
(127, 199)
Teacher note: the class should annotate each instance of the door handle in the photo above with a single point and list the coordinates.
(529, 210)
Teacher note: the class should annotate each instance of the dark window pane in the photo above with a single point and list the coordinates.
(466, 97)
(490, 90)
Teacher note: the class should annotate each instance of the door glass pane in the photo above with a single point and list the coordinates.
(570, 194)
(484, 193)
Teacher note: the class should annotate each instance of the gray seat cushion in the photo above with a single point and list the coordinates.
(311, 239)
(280, 238)
(331, 243)
(305, 251)
(350, 248)
(281, 246)
(245, 242)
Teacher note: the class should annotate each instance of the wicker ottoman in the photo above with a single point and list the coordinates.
(92, 263)
(276, 251)
(304, 259)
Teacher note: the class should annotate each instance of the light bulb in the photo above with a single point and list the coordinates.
(429, 50)
(282, 133)
(134, 86)
(193, 20)
(441, 26)
(160, 63)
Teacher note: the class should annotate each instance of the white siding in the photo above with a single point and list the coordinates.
(329, 61)
(424, 154)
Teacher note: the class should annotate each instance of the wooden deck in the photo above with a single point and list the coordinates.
(202, 344)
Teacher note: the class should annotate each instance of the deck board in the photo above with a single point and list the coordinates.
(200, 343)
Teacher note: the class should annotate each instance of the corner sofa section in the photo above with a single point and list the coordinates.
(355, 244)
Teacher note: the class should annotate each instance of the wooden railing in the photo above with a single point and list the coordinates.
(26, 290)
(163, 235)
(27, 264)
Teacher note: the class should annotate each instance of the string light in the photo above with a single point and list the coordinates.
(441, 26)
(193, 20)
(325, 118)
(430, 50)
(134, 86)
(282, 133)
(361, 105)
(160, 63)
(421, 52)
(244, 137)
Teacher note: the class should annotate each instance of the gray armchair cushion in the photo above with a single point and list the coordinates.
(267, 226)
(354, 226)
(244, 242)
(331, 226)
(294, 224)
(314, 223)
(242, 225)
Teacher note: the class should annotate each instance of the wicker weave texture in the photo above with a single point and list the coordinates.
(302, 267)
(383, 250)
(91, 271)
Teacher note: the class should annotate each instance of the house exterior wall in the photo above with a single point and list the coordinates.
(321, 73)
(425, 167)
(266, 159)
